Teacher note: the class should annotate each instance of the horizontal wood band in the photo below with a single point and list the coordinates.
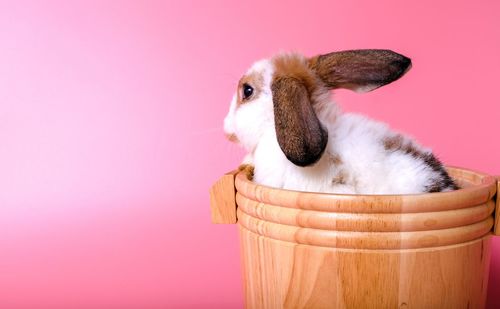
(366, 240)
(365, 222)
(477, 189)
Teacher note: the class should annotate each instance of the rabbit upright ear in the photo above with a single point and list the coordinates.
(299, 132)
(360, 70)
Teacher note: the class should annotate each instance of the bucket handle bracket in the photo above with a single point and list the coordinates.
(496, 227)
(223, 199)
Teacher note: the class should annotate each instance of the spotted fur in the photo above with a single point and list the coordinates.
(297, 137)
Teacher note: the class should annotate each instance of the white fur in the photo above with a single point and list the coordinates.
(366, 166)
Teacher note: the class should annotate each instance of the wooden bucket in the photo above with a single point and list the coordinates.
(312, 250)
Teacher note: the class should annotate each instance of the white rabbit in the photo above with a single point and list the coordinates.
(297, 138)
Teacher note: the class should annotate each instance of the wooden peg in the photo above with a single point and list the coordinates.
(222, 200)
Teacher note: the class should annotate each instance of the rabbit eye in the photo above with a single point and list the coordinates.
(247, 91)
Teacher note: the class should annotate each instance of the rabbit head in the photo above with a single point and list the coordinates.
(281, 93)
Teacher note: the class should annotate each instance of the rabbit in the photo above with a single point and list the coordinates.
(297, 138)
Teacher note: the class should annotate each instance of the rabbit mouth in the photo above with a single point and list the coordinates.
(232, 138)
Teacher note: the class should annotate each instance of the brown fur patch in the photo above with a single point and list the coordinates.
(399, 143)
(232, 138)
(334, 159)
(295, 66)
(365, 69)
(340, 178)
(393, 142)
(255, 81)
(298, 130)
(440, 183)
(248, 170)
(445, 181)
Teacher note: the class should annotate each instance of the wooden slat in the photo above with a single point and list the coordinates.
(281, 274)
(222, 200)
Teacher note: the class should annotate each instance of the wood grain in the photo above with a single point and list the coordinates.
(287, 275)
(222, 200)
(313, 250)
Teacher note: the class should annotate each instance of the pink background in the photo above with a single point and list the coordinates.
(111, 131)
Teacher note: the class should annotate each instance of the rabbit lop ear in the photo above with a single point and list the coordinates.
(360, 70)
(299, 132)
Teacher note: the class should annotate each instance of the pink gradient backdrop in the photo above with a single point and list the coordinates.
(110, 131)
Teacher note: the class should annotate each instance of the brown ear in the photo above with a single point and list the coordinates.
(299, 132)
(360, 70)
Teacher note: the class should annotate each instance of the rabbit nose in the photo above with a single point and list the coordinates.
(232, 137)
